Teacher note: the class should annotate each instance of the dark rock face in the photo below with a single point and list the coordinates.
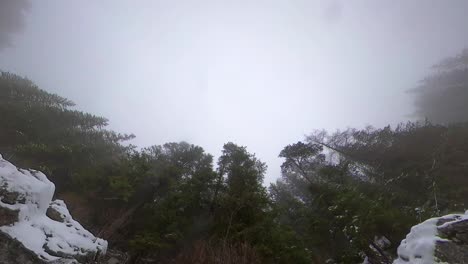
(455, 248)
(379, 252)
(10, 197)
(8, 216)
(13, 252)
(450, 252)
(457, 231)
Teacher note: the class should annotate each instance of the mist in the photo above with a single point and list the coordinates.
(259, 73)
(12, 15)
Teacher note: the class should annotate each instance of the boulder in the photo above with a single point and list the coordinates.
(14, 252)
(453, 247)
(437, 240)
(55, 215)
(35, 229)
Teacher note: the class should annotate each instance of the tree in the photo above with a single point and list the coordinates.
(40, 130)
(243, 200)
(304, 158)
(442, 95)
(245, 212)
(172, 200)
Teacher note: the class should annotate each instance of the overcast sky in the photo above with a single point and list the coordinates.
(258, 73)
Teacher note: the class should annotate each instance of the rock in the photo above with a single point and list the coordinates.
(10, 197)
(450, 252)
(8, 216)
(437, 240)
(379, 251)
(55, 215)
(35, 229)
(454, 249)
(13, 252)
(456, 231)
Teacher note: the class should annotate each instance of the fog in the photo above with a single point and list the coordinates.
(12, 15)
(258, 73)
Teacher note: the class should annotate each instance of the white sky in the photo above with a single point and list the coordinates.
(258, 73)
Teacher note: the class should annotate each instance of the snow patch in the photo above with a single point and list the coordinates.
(32, 187)
(418, 246)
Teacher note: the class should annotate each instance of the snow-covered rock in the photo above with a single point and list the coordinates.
(380, 251)
(37, 225)
(436, 240)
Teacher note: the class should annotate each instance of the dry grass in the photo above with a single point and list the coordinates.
(218, 253)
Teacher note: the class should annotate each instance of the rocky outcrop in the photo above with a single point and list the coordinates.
(453, 247)
(35, 229)
(12, 251)
(379, 251)
(437, 240)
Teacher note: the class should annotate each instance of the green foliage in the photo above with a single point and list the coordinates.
(375, 183)
(245, 211)
(40, 130)
(243, 198)
(175, 194)
(338, 192)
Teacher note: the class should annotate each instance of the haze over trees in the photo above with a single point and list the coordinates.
(343, 196)
(441, 96)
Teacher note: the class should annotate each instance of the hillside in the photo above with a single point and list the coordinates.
(343, 197)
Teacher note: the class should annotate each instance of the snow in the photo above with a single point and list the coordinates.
(419, 245)
(32, 186)
(455, 217)
(34, 229)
